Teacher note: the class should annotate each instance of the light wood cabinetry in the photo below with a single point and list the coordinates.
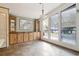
(13, 38)
(36, 25)
(26, 37)
(37, 35)
(12, 20)
(4, 33)
(12, 30)
(31, 36)
(20, 37)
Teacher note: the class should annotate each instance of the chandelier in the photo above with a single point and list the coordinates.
(42, 11)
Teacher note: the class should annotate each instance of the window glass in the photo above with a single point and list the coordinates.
(54, 27)
(68, 32)
(45, 28)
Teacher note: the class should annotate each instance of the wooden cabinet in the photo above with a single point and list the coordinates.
(26, 37)
(12, 26)
(20, 37)
(31, 36)
(36, 25)
(12, 30)
(37, 35)
(4, 22)
(13, 38)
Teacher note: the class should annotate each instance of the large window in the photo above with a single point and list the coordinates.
(68, 32)
(62, 26)
(45, 28)
(54, 26)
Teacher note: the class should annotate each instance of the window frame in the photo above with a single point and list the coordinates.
(68, 8)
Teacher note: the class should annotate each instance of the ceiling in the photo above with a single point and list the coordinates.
(31, 10)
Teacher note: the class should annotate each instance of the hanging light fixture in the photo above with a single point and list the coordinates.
(42, 16)
(42, 10)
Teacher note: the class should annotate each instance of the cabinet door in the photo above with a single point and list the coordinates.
(30, 36)
(35, 36)
(3, 29)
(26, 37)
(39, 35)
(13, 38)
(37, 25)
(20, 37)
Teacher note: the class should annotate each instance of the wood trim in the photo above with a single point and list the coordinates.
(6, 20)
(4, 7)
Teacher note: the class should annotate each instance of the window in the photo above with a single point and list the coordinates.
(45, 28)
(68, 32)
(54, 27)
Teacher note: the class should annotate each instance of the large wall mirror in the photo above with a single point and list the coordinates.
(24, 25)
